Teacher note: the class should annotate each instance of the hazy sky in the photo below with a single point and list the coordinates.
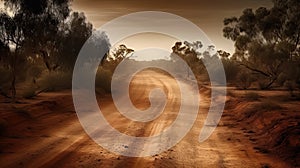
(207, 14)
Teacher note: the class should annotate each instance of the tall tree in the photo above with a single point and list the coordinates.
(188, 52)
(12, 35)
(43, 23)
(74, 34)
(116, 56)
(42, 29)
(265, 39)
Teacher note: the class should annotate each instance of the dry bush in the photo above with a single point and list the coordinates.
(35, 71)
(257, 109)
(281, 79)
(244, 80)
(29, 92)
(268, 105)
(103, 80)
(231, 68)
(252, 96)
(55, 81)
(263, 84)
(291, 86)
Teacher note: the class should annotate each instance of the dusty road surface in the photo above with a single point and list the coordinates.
(45, 132)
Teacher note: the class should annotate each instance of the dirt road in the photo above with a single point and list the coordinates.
(47, 133)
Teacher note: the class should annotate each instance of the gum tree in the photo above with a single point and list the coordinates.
(266, 39)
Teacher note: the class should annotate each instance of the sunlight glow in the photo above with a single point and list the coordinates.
(149, 40)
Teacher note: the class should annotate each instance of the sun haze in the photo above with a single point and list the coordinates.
(208, 15)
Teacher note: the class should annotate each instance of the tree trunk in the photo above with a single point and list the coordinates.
(13, 81)
(270, 83)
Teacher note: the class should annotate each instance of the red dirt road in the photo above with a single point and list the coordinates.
(47, 133)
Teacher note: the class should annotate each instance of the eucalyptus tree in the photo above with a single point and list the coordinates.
(41, 29)
(266, 39)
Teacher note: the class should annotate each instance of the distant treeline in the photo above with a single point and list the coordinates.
(40, 42)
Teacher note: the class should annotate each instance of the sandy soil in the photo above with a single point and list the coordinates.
(45, 132)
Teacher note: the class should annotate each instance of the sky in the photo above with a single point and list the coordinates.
(206, 14)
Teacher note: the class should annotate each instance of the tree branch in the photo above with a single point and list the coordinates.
(255, 70)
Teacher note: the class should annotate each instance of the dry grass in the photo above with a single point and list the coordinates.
(29, 92)
(267, 105)
(103, 81)
(251, 96)
(56, 81)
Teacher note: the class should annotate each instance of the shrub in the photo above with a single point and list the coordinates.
(103, 80)
(263, 84)
(268, 105)
(281, 79)
(231, 69)
(34, 71)
(252, 96)
(244, 80)
(291, 86)
(55, 81)
(29, 92)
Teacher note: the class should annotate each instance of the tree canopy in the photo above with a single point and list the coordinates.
(44, 32)
(266, 39)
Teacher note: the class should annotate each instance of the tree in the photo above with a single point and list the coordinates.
(118, 54)
(266, 39)
(41, 30)
(42, 40)
(4, 65)
(232, 69)
(12, 34)
(188, 52)
(5, 52)
(74, 34)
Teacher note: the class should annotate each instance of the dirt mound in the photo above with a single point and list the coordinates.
(19, 119)
(273, 128)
